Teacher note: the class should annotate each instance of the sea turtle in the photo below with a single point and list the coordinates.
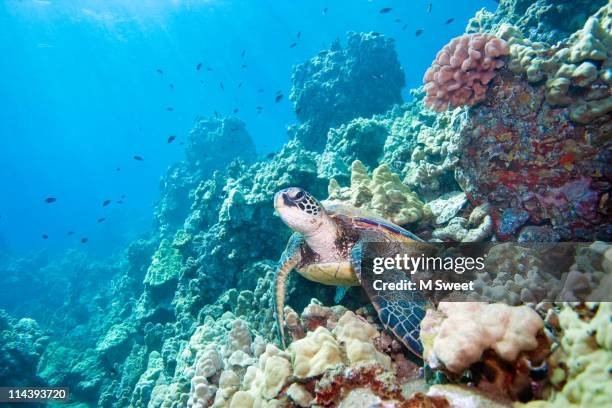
(326, 248)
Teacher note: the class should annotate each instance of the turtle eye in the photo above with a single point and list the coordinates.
(299, 195)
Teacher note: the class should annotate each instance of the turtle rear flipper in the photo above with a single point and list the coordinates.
(400, 311)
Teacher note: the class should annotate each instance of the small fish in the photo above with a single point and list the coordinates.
(298, 110)
(418, 32)
(235, 110)
(240, 85)
(138, 158)
(122, 196)
(201, 81)
(106, 202)
(242, 53)
(118, 169)
(398, 20)
(208, 68)
(259, 107)
(181, 143)
(119, 202)
(244, 65)
(169, 109)
(50, 200)
(172, 86)
(429, 7)
(198, 66)
(299, 34)
(216, 114)
(221, 85)
(270, 155)
(44, 236)
(70, 233)
(450, 20)
(260, 90)
(325, 10)
(101, 220)
(293, 44)
(171, 139)
(278, 98)
(159, 71)
(84, 240)
(385, 10)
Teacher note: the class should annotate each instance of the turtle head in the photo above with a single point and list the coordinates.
(299, 210)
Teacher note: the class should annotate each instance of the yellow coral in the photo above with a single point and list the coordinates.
(315, 353)
(384, 194)
(569, 65)
(586, 354)
(357, 335)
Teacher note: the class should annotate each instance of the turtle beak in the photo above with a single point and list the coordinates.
(281, 199)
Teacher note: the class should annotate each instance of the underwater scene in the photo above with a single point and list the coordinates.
(308, 203)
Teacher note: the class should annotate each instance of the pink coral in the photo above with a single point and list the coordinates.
(462, 69)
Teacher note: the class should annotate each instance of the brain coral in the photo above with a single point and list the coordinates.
(462, 69)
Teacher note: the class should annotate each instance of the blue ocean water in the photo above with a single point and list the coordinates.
(80, 95)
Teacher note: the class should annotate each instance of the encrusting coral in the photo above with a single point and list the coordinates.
(462, 70)
(384, 194)
(578, 72)
(580, 367)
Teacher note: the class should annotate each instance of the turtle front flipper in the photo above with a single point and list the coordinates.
(290, 259)
(399, 311)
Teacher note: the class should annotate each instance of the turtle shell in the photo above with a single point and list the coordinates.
(361, 220)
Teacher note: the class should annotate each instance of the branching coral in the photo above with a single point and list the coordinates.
(462, 70)
(384, 194)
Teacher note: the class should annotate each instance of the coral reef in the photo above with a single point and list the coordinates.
(526, 159)
(458, 333)
(577, 72)
(22, 343)
(226, 365)
(212, 144)
(185, 316)
(462, 70)
(384, 195)
(548, 21)
(338, 85)
(358, 139)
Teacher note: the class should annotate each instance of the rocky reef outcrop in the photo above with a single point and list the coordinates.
(212, 144)
(22, 343)
(341, 84)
